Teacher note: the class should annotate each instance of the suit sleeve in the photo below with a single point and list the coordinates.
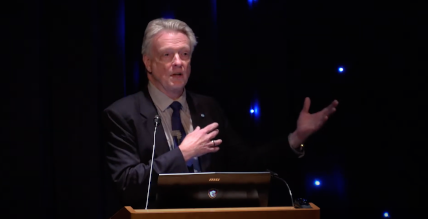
(129, 174)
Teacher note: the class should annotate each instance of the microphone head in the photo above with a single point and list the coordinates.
(157, 120)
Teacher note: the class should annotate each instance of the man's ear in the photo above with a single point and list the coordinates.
(147, 63)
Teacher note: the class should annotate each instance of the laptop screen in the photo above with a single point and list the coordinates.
(213, 189)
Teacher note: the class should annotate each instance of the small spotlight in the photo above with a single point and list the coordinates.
(255, 109)
(341, 69)
(250, 2)
(317, 182)
(385, 214)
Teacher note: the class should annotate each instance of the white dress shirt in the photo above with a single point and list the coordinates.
(162, 103)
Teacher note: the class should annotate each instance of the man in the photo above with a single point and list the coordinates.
(194, 135)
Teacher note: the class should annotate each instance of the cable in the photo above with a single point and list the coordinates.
(289, 190)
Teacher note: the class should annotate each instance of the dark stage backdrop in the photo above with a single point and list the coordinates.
(71, 59)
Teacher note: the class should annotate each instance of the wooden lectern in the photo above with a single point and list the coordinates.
(288, 212)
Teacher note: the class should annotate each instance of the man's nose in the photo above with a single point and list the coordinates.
(177, 61)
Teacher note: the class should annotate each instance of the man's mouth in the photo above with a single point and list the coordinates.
(177, 74)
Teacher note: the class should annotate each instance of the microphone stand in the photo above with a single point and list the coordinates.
(157, 120)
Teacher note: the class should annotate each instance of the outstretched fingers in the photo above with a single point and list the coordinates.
(306, 105)
(211, 127)
(332, 108)
(212, 135)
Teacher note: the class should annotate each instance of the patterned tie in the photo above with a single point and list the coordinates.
(179, 134)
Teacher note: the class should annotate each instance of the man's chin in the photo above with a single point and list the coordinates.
(178, 84)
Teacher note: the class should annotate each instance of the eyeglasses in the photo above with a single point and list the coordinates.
(171, 56)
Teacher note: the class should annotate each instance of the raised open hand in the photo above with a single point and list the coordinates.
(307, 123)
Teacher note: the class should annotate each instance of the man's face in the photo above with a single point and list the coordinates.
(169, 62)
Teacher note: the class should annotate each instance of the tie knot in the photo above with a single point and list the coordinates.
(176, 106)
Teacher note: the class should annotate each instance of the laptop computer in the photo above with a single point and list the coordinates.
(213, 190)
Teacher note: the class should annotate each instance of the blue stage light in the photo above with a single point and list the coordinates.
(250, 2)
(317, 183)
(341, 69)
(385, 214)
(255, 109)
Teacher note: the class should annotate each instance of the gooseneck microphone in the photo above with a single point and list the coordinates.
(157, 122)
(289, 190)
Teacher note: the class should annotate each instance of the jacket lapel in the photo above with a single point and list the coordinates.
(148, 112)
(198, 119)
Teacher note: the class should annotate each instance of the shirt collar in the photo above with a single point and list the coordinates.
(162, 101)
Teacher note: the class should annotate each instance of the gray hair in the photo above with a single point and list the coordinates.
(160, 24)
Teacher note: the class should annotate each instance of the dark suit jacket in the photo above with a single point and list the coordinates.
(129, 129)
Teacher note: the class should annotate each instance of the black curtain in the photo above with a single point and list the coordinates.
(65, 61)
(66, 65)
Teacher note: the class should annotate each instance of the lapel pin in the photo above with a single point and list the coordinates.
(202, 115)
